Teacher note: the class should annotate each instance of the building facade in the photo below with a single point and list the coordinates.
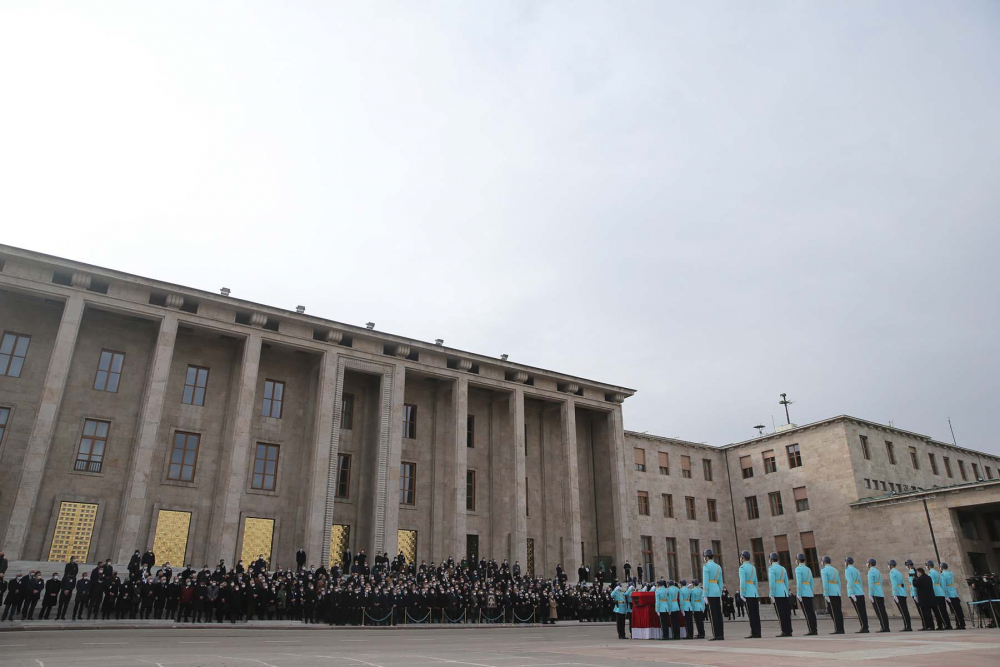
(136, 414)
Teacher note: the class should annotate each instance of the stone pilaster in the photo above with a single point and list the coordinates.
(460, 415)
(233, 483)
(134, 499)
(519, 538)
(574, 530)
(619, 478)
(386, 537)
(40, 440)
(323, 480)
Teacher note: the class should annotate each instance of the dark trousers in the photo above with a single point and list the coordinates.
(956, 606)
(810, 614)
(753, 615)
(878, 606)
(621, 625)
(904, 610)
(689, 623)
(715, 616)
(664, 624)
(941, 613)
(62, 606)
(79, 606)
(784, 613)
(837, 614)
(926, 615)
(861, 611)
(699, 622)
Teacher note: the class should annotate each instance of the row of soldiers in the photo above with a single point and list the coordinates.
(932, 589)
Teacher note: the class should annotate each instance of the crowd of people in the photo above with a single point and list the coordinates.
(352, 592)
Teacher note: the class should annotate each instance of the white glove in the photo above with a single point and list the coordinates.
(854, 598)
(895, 599)
(827, 598)
(799, 598)
(871, 599)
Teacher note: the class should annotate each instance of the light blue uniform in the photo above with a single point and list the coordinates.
(831, 581)
(913, 591)
(777, 580)
(661, 599)
(875, 583)
(803, 581)
(622, 599)
(936, 578)
(748, 580)
(897, 582)
(853, 579)
(685, 599)
(948, 584)
(673, 599)
(697, 599)
(711, 575)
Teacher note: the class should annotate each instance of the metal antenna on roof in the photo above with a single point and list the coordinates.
(784, 401)
(953, 441)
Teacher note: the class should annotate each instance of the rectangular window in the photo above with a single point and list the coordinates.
(470, 490)
(989, 472)
(407, 483)
(913, 458)
(770, 462)
(668, 506)
(526, 439)
(343, 476)
(975, 472)
(347, 412)
(274, 398)
(961, 470)
(892, 487)
(90, 456)
(794, 456)
(265, 467)
(695, 549)
(470, 431)
(640, 459)
(868, 483)
(801, 499)
(195, 383)
(527, 499)
(809, 551)
(184, 456)
(746, 464)
(774, 498)
(409, 421)
(13, 351)
(947, 466)
(664, 463)
(646, 544)
(864, 447)
(713, 511)
(933, 460)
(686, 466)
(706, 466)
(672, 558)
(759, 562)
(109, 371)
(717, 550)
(4, 418)
(753, 512)
(643, 503)
(890, 451)
(691, 509)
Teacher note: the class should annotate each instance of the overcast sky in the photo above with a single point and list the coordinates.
(709, 203)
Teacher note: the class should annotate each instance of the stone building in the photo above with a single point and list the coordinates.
(137, 414)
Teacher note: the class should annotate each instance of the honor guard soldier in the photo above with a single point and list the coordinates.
(748, 591)
(777, 584)
(856, 591)
(687, 615)
(898, 586)
(876, 596)
(951, 594)
(831, 593)
(621, 596)
(674, 609)
(940, 607)
(804, 592)
(711, 574)
(911, 573)
(661, 609)
(698, 608)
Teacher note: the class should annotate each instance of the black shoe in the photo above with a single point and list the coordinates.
(907, 630)
(886, 630)
(838, 632)
(811, 634)
(862, 632)
(716, 639)
(752, 637)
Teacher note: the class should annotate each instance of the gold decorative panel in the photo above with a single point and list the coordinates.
(531, 557)
(170, 542)
(74, 528)
(257, 536)
(407, 544)
(340, 539)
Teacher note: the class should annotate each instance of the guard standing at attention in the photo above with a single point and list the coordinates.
(698, 607)
(687, 615)
(940, 609)
(831, 593)
(673, 609)
(777, 584)
(856, 591)
(748, 591)
(804, 592)
(876, 595)
(661, 609)
(896, 583)
(951, 594)
(711, 574)
(621, 596)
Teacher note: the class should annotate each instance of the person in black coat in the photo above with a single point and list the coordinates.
(51, 598)
(33, 592)
(926, 600)
(71, 569)
(148, 559)
(82, 597)
(12, 602)
(65, 595)
(300, 559)
(135, 566)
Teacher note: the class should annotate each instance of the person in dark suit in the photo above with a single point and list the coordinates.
(51, 596)
(82, 597)
(65, 596)
(300, 559)
(71, 569)
(926, 600)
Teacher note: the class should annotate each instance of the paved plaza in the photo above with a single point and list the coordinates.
(268, 645)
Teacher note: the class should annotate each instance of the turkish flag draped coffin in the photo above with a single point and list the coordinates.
(645, 622)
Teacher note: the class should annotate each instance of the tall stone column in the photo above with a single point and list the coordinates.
(386, 520)
(574, 528)
(233, 482)
(519, 538)
(619, 477)
(460, 415)
(323, 481)
(134, 499)
(40, 440)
